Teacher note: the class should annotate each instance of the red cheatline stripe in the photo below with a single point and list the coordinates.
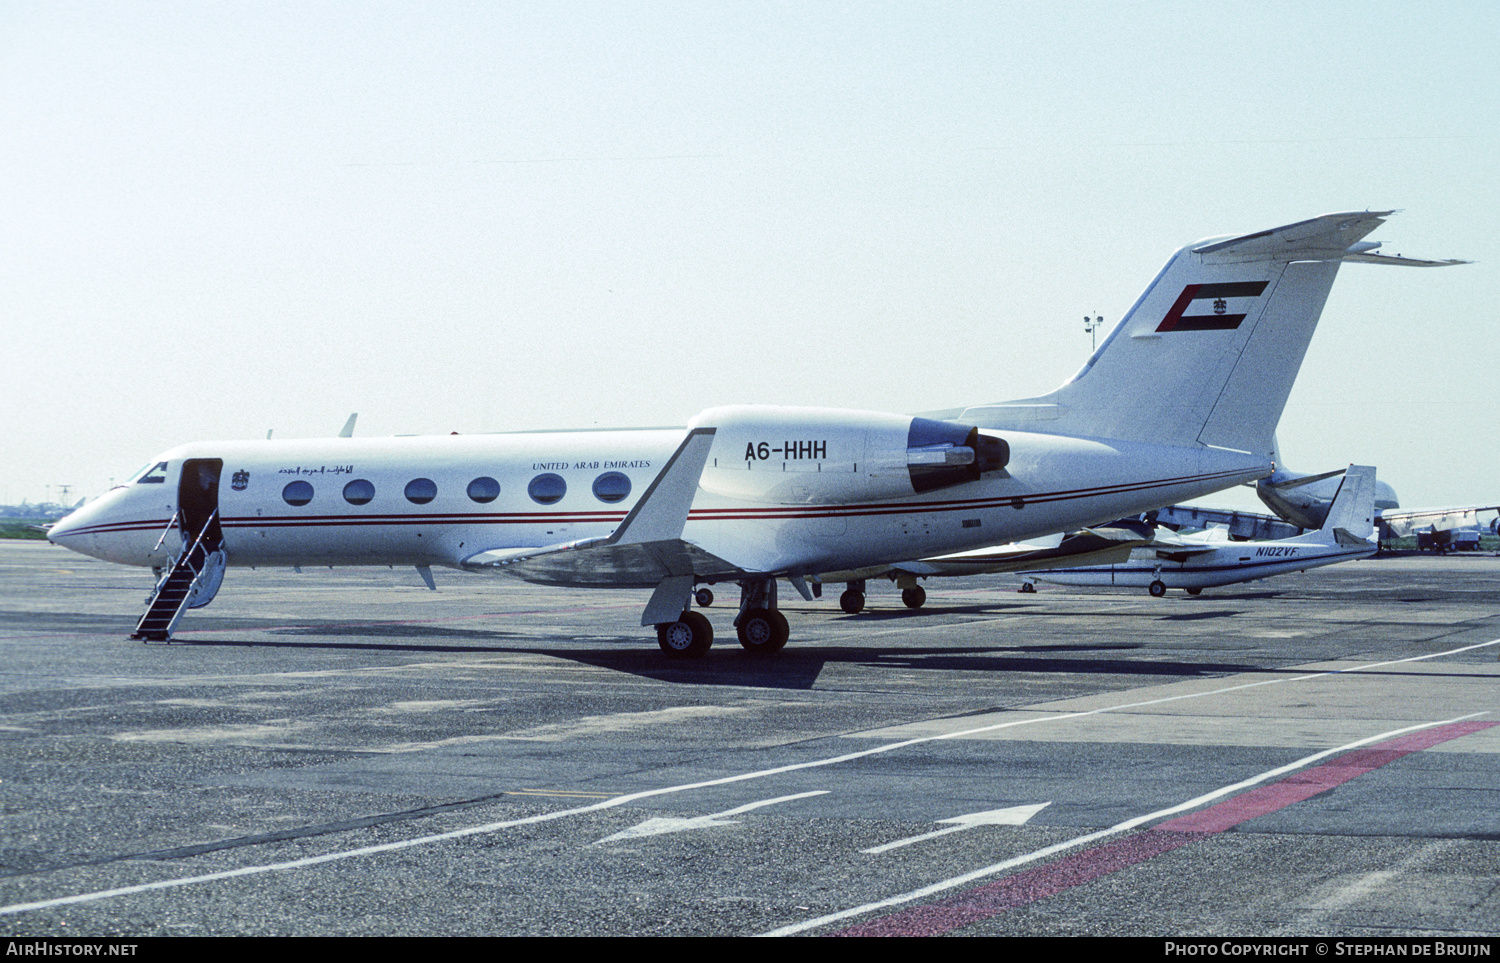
(714, 514)
(1044, 881)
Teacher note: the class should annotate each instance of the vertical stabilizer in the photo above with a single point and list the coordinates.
(1207, 355)
(1353, 508)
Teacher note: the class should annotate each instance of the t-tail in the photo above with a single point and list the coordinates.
(1353, 510)
(1208, 354)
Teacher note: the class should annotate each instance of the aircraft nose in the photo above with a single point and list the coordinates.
(81, 528)
(65, 526)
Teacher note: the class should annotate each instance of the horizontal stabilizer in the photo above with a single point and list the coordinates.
(1331, 237)
(1346, 540)
(1400, 261)
(1299, 482)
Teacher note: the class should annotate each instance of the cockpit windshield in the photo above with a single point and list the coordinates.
(152, 475)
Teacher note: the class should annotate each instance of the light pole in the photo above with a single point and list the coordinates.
(1091, 325)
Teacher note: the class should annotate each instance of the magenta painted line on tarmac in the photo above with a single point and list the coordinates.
(1306, 784)
(1026, 887)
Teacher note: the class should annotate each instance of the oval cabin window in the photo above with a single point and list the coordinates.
(611, 487)
(547, 489)
(359, 492)
(297, 493)
(420, 491)
(484, 489)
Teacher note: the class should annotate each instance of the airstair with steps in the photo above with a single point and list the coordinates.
(191, 582)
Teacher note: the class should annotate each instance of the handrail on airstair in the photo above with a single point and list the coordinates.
(184, 561)
(171, 524)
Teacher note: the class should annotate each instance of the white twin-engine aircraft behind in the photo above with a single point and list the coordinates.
(1199, 562)
(1304, 500)
(1180, 400)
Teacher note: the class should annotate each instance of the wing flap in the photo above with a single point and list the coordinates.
(598, 563)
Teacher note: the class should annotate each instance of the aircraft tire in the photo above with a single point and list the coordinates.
(914, 597)
(852, 602)
(704, 597)
(1157, 588)
(687, 638)
(1026, 587)
(763, 631)
(1195, 591)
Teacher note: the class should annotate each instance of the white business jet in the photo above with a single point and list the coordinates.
(1204, 561)
(1180, 400)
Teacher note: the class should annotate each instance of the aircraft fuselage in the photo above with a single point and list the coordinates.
(1238, 562)
(442, 499)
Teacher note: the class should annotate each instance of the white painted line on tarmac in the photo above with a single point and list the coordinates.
(659, 825)
(977, 874)
(686, 787)
(1013, 816)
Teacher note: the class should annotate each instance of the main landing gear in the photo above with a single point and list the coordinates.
(687, 638)
(763, 631)
(853, 599)
(1158, 588)
(761, 627)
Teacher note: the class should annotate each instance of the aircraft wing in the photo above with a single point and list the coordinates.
(1397, 524)
(645, 550)
(1245, 526)
(1107, 546)
(1182, 553)
(595, 563)
(1171, 547)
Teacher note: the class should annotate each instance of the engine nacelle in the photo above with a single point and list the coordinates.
(831, 456)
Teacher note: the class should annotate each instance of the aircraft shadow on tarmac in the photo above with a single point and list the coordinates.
(1156, 609)
(799, 668)
(796, 667)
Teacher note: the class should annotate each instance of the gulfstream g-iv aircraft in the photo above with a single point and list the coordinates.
(1179, 401)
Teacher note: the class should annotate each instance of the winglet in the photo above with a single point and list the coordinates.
(662, 511)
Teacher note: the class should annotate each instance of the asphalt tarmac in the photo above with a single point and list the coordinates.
(343, 752)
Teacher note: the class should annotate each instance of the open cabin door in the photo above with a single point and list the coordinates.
(198, 570)
(198, 502)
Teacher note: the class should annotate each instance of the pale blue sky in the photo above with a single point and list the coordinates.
(223, 218)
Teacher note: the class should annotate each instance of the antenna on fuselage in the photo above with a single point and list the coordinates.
(348, 431)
